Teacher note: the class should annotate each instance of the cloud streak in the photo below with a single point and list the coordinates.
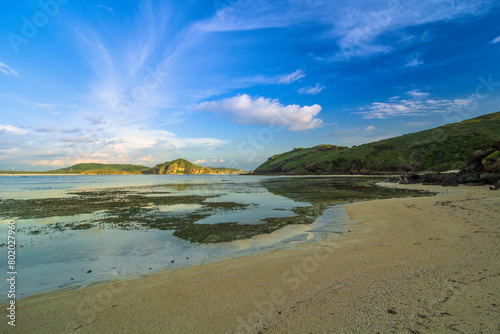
(292, 77)
(417, 104)
(7, 70)
(311, 90)
(495, 40)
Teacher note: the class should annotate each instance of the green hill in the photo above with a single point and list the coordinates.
(182, 166)
(97, 169)
(444, 148)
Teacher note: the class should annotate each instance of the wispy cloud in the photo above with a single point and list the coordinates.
(109, 9)
(414, 61)
(264, 111)
(292, 77)
(359, 30)
(417, 104)
(311, 90)
(7, 70)
(12, 129)
(495, 40)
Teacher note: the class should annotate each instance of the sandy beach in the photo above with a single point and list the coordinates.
(411, 265)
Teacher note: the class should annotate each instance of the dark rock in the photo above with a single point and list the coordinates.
(496, 145)
(472, 178)
(490, 178)
(449, 182)
(474, 162)
(476, 167)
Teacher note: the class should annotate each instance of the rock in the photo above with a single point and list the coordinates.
(472, 178)
(496, 145)
(491, 165)
(474, 163)
(449, 182)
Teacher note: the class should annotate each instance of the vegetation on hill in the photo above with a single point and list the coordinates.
(182, 166)
(444, 148)
(99, 169)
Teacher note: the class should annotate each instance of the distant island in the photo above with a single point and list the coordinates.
(182, 166)
(175, 167)
(447, 147)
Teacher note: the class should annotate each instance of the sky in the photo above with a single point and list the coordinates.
(233, 82)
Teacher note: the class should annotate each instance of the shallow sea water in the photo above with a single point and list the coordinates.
(48, 258)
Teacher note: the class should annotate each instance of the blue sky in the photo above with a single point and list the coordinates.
(233, 82)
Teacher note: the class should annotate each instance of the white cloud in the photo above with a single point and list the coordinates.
(418, 104)
(7, 70)
(311, 90)
(264, 111)
(109, 9)
(414, 62)
(12, 129)
(418, 94)
(200, 161)
(496, 40)
(292, 77)
(370, 128)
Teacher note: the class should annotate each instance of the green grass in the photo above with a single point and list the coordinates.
(443, 148)
(95, 168)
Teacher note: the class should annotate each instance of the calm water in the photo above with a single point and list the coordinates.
(48, 258)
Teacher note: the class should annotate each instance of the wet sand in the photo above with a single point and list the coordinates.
(410, 265)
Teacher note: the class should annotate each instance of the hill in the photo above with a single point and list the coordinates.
(182, 166)
(444, 148)
(99, 169)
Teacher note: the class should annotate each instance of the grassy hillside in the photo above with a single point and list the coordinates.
(443, 148)
(96, 169)
(182, 166)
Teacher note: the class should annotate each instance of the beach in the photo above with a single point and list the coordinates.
(407, 265)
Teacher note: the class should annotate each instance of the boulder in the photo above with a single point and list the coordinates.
(491, 165)
(474, 163)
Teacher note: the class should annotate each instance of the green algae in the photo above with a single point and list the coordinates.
(136, 208)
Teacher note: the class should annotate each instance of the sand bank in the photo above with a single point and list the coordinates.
(410, 265)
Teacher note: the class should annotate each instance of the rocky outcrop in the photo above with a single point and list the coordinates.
(481, 170)
(182, 166)
(479, 161)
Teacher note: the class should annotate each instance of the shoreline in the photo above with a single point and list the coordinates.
(368, 280)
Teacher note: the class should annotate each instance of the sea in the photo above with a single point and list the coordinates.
(52, 256)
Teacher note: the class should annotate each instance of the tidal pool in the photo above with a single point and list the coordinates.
(75, 231)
